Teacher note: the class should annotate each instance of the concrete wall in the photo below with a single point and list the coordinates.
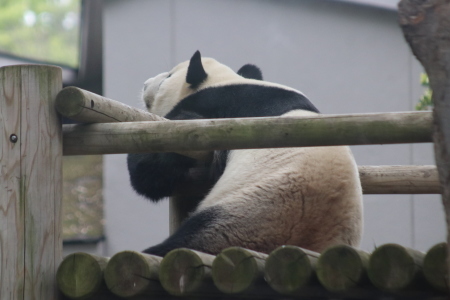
(346, 58)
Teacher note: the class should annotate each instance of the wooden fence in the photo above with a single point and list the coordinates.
(32, 142)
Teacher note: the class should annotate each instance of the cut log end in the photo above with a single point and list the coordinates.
(342, 268)
(236, 270)
(184, 272)
(435, 267)
(80, 275)
(131, 273)
(395, 268)
(289, 269)
(69, 102)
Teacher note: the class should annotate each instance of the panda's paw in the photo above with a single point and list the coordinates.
(157, 175)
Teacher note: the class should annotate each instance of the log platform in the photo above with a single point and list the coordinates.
(391, 271)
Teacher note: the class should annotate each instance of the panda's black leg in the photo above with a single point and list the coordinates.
(202, 232)
(157, 175)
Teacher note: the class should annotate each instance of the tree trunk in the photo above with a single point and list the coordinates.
(426, 26)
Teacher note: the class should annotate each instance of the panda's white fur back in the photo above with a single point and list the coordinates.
(310, 197)
(297, 200)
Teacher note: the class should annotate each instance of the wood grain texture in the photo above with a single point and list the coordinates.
(12, 234)
(31, 173)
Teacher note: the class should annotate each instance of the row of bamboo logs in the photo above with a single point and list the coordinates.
(390, 269)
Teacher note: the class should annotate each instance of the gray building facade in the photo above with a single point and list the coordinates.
(346, 58)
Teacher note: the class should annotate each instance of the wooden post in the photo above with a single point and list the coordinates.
(30, 182)
(426, 26)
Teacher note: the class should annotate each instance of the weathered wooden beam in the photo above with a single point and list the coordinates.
(237, 270)
(80, 275)
(399, 179)
(426, 27)
(245, 133)
(86, 107)
(30, 182)
(130, 273)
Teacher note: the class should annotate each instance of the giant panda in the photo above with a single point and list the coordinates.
(258, 199)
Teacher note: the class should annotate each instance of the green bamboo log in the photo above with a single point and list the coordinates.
(395, 268)
(435, 267)
(185, 272)
(242, 133)
(80, 275)
(342, 268)
(131, 273)
(237, 270)
(290, 270)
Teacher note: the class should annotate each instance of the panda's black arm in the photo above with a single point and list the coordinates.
(158, 175)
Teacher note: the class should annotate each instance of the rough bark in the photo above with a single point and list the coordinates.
(426, 26)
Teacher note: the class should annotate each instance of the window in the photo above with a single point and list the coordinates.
(41, 30)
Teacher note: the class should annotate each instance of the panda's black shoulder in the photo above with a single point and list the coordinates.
(241, 100)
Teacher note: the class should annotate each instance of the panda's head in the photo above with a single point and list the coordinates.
(162, 92)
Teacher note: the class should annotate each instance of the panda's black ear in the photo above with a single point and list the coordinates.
(251, 72)
(195, 73)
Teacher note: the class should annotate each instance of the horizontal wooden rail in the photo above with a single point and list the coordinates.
(96, 138)
(207, 135)
(247, 133)
(399, 179)
(86, 107)
(215, 134)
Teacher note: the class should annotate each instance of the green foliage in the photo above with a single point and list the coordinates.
(46, 30)
(426, 101)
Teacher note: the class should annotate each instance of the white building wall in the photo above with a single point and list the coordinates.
(346, 58)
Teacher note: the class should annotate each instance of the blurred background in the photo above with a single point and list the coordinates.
(346, 56)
